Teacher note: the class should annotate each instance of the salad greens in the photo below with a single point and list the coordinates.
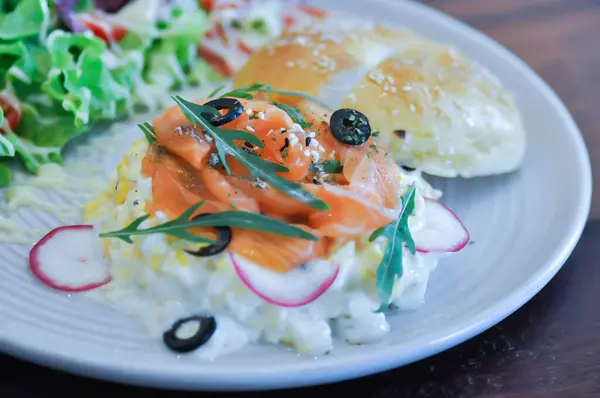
(67, 65)
(397, 235)
(240, 219)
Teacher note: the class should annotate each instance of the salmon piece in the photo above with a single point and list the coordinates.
(350, 215)
(225, 192)
(278, 253)
(184, 141)
(270, 200)
(364, 197)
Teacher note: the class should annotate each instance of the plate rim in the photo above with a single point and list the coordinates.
(290, 376)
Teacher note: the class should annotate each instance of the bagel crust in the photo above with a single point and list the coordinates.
(434, 109)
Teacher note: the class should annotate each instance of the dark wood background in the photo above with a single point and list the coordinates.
(550, 347)
(560, 39)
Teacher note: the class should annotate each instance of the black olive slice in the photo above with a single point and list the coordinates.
(234, 110)
(350, 126)
(206, 326)
(223, 240)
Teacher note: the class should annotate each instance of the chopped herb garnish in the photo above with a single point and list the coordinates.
(260, 26)
(328, 166)
(258, 167)
(216, 91)
(234, 219)
(374, 147)
(236, 24)
(148, 131)
(294, 113)
(246, 93)
(397, 234)
(284, 153)
(213, 160)
(375, 133)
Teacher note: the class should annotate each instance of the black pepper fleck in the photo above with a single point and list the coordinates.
(400, 133)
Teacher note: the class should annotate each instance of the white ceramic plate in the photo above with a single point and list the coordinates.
(524, 225)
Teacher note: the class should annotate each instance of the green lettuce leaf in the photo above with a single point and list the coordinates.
(68, 82)
(81, 80)
(25, 18)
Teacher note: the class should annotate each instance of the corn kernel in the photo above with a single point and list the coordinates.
(122, 191)
(181, 258)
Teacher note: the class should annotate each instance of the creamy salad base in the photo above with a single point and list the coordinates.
(155, 281)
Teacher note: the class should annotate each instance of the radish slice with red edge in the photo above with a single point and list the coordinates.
(295, 288)
(443, 231)
(69, 259)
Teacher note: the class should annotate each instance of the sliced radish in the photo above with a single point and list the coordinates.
(292, 289)
(443, 231)
(68, 258)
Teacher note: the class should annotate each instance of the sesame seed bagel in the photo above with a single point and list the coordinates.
(434, 109)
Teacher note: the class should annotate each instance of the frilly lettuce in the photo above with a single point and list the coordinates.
(66, 82)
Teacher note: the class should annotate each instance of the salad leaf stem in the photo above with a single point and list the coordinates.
(397, 234)
(148, 131)
(238, 219)
(246, 93)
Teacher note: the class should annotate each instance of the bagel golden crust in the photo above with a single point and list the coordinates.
(434, 108)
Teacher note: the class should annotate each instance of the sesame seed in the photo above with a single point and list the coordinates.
(258, 183)
(290, 64)
(306, 152)
(312, 134)
(293, 139)
(395, 112)
(250, 129)
(376, 76)
(315, 143)
(413, 108)
(315, 156)
(386, 86)
(321, 148)
(270, 132)
(261, 115)
(249, 111)
(407, 87)
(352, 98)
(393, 89)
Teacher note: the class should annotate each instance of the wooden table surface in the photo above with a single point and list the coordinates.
(551, 346)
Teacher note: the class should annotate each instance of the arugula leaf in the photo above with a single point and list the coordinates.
(294, 113)
(216, 91)
(246, 93)
(328, 166)
(148, 131)
(238, 219)
(258, 168)
(397, 234)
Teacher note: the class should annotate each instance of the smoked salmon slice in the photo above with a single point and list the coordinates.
(363, 196)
